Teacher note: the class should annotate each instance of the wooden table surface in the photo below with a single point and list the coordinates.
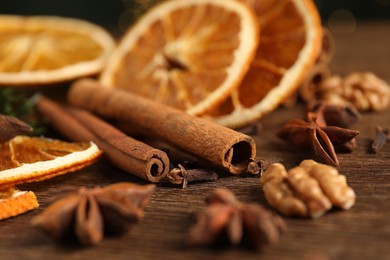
(362, 232)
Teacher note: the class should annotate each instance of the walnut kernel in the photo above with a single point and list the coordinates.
(332, 183)
(363, 90)
(279, 194)
(308, 190)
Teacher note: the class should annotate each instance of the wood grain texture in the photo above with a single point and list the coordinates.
(362, 232)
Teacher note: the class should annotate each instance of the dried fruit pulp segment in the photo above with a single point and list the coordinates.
(187, 54)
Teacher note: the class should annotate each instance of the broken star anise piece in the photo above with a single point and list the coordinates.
(382, 137)
(11, 126)
(318, 137)
(227, 220)
(88, 213)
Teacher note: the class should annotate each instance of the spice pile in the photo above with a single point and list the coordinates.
(233, 88)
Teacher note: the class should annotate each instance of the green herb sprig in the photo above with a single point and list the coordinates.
(20, 105)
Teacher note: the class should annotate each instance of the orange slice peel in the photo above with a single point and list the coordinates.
(40, 50)
(291, 36)
(31, 159)
(187, 54)
(14, 202)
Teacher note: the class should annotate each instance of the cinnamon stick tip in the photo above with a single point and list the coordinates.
(158, 165)
(239, 154)
(80, 83)
(83, 81)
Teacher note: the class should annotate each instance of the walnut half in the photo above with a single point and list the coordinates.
(363, 90)
(308, 190)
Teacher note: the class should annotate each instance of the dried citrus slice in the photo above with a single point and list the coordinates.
(29, 159)
(291, 36)
(47, 49)
(14, 202)
(189, 54)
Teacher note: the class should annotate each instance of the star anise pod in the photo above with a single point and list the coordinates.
(89, 213)
(334, 115)
(11, 126)
(227, 220)
(315, 135)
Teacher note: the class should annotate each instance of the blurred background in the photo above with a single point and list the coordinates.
(118, 14)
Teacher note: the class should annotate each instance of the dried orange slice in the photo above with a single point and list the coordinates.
(189, 54)
(14, 202)
(47, 49)
(290, 43)
(29, 159)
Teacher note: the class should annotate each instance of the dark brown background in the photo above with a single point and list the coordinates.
(107, 12)
(362, 232)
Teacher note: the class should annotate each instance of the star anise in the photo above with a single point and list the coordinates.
(314, 134)
(89, 213)
(11, 126)
(227, 220)
(334, 115)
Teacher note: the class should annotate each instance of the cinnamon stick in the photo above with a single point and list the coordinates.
(214, 143)
(328, 47)
(309, 87)
(123, 151)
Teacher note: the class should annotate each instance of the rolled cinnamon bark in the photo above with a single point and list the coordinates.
(219, 145)
(123, 151)
(308, 90)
